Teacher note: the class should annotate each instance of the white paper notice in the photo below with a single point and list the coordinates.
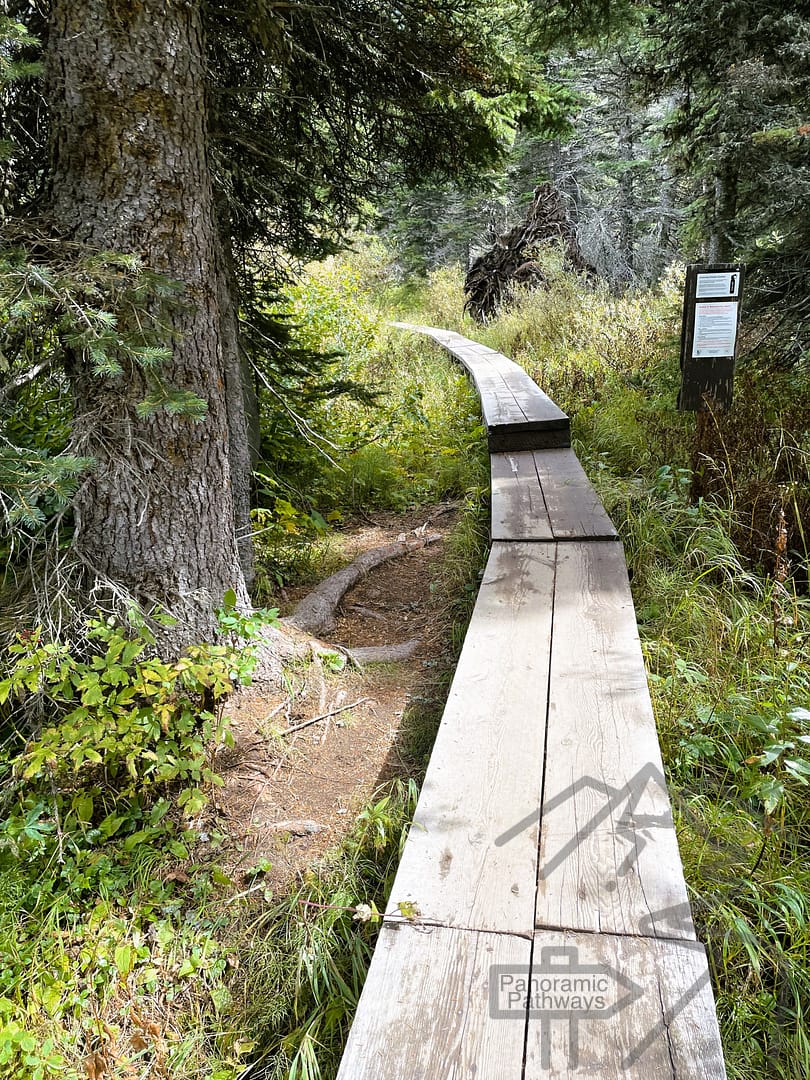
(715, 329)
(717, 285)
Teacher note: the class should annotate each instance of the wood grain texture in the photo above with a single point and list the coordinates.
(659, 1022)
(543, 495)
(574, 508)
(518, 507)
(424, 1011)
(614, 877)
(485, 771)
(610, 858)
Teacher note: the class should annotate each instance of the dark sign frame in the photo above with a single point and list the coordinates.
(708, 381)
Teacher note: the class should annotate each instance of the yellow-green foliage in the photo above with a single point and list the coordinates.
(99, 798)
(440, 302)
(332, 306)
(575, 339)
(421, 439)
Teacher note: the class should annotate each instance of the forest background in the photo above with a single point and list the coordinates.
(188, 417)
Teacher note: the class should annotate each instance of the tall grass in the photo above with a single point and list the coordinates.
(729, 668)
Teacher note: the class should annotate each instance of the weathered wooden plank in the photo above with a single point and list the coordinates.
(608, 860)
(657, 1022)
(532, 400)
(574, 508)
(505, 438)
(424, 1012)
(485, 771)
(535, 402)
(499, 408)
(498, 402)
(616, 876)
(605, 796)
(518, 508)
(525, 505)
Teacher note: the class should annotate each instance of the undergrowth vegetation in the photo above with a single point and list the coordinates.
(106, 770)
(126, 947)
(415, 438)
(129, 947)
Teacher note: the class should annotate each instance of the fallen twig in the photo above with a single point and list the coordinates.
(323, 716)
(277, 710)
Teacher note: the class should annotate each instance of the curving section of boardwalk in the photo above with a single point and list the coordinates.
(517, 414)
(554, 936)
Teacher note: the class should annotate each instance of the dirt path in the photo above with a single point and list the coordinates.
(286, 799)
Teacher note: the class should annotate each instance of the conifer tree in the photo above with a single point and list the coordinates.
(177, 154)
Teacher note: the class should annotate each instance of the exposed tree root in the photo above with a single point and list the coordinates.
(383, 654)
(316, 612)
(512, 260)
(300, 635)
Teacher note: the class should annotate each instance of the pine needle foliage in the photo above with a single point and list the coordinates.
(100, 313)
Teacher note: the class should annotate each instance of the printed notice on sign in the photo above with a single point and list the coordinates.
(715, 329)
(708, 285)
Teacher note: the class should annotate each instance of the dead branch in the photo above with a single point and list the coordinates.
(323, 716)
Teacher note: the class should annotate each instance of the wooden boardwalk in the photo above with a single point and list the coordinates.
(553, 937)
(517, 414)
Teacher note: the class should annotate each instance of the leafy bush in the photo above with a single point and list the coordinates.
(105, 767)
(414, 437)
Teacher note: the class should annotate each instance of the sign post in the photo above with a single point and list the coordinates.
(711, 319)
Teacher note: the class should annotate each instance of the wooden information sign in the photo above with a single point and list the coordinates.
(711, 319)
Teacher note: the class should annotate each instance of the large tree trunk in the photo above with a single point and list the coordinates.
(131, 174)
(243, 413)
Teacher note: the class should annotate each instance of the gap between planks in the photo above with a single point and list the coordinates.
(445, 1003)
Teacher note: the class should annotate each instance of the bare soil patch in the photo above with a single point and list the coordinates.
(288, 798)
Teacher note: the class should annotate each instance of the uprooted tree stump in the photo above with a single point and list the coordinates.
(512, 260)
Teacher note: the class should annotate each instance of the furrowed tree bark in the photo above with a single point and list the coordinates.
(724, 188)
(242, 411)
(627, 202)
(125, 81)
